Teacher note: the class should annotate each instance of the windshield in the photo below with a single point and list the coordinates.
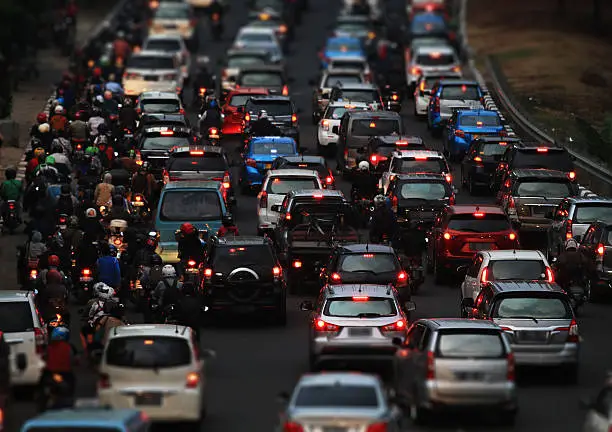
(336, 113)
(16, 317)
(266, 148)
(533, 307)
(163, 45)
(420, 26)
(261, 79)
(208, 162)
(242, 99)
(547, 189)
(227, 259)
(551, 160)
(365, 96)
(256, 37)
(487, 223)
(172, 12)
(352, 27)
(479, 120)
(148, 352)
(517, 270)
(435, 59)
(375, 127)
(164, 143)
(356, 64)
(335, 79)
(284, 185)
(150, 62)
(589, 213)
(190, 206)
(407, 166)
(460, 92)
(273, 108)
(462, 344)
(162, 106)
(431, 81)
(343, 46)
(348, 307)
(492, 149)
(368, 262)
(240, 61)
(428, 191)
(345, 396)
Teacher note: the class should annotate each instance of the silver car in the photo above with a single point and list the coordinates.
(338, 402)
(454, 363)
(355, 322)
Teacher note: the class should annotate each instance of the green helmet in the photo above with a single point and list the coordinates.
(91, 151)
(132, 154)
(50, 160)
(104, 60)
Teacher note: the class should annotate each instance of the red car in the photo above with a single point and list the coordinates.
(462, 230)
(233, 121)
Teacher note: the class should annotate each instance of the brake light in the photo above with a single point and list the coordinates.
(336, 277)
(459, 133)
(104, 381)
(401, 143)
(601, 249)
(479, 214)
(323, 326)
(394, 97)
(263, 199)
(437, 105)
(318, 196)
(485, 275)
(457, 69)
(191, 263)
(568, 230)
(277, 271)
(420, 158)
(542, 150)
(297, 264)
(550, 277)
(572, 331)
(374, 158)
(208, 273)
(415, 70)
(117, 242)
(571, 175)
(479, 124)
(12, 207)
(294, 118)
(394, 203)
(39, 337)
(193, 379)
(247, 117)
(477, 159)
(285, 92)
(512, 236)
(166, 133)
(251, 163)
(431, 372)
(227, 183)
(511, 204)
(395, 327)
(510, 374)
(33, 274)
(451, 200)
(325, 124)
(329, 180)
(377, 427)
(449, 178)
(402, 276)
(447, 236)
(86, 272)
(422, 86)
(292, 427)
(360, 298)
(213, 131)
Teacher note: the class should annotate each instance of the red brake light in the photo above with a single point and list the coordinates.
(542, 150)
(420, 158)
(263, 200)
(402, 276)
(447, 236)
(415, 70)
(573, 335)
(477, 159)
(166, 133)
(601, 249)
(285, 92)
(292, 427)
(571, 175)
(276, 271)
(191, 263)
(208, 272)
(39, 336)
(329, 179)
(449, 178)
(193, 379)
(512, 236)
(431, 371)
(297, 264)
(550, 277)
(511, 204)
(394, 97)
(485, 275)
(213, 131)
(401, 143)
(294, 118)
(117, 242)
(377, 427)
(86, 272)
(335, 277)
(394, 203)
(252, 163)
(247, 117)
(319, 196)
(321, 325)
(12, 207)
(360, 298)
(479, 214)
(568, 229)
(138, 198)
(374, 158)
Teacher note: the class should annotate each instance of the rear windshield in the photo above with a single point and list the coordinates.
(164, 143)
(589, 213)
(517, 270)
(272, 108)
(373, 263)
(462, 344)
(336, 113)
(172, 12)
(261, 79)
(180, 205)
(435, 60)
(431, 81)
(343, 46)
(425, 26)
(148, 352)
(351, 27)
(151, 62)
(226, 259)
(480, 121)
(16, 317)
(336, 79)
(428, 191)
(266, 148)
(533, 307)
(365, 96)
(163, 45)
(492, 149)
(471, 223)
(608, 238)
(348, 64)
(240, 61)
(560, 161)
(547, 189)
(284, 185)
(372, 307)
(346, 396)
(162, 106)
(240, 100)
(460, 92)
(408, 166)
(256, 37)
(208, 162)
(375, 127)
(72, 429)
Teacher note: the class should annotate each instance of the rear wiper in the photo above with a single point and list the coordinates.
(364, 271)
(369, 315)
(522, 317)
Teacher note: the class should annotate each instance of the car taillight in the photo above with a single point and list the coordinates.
(402, 277)
(601, 250)
(431, 366)
(227, 181)
(568, 229)
(294, 118)
(571, 175)
(394, 327)
(297, 264)
(292, 427)
(572, 331)
(263, 200)
(191, 263)
(277, 271)
(510, 374)
(103, 381)
(193, 379)
(325, 124)
(374, 159)
(511, 204)
(512, 236)
(336, 277)
(459, 133)
(86, 272)
(449, 178)
(329, 179)
(39, 337)
(451, 200)
(208, 273)
(247, 117)
(447, 236)
(477, 159)
(415, 70)
(485, 275)
(437, 105)
(377, 427)
(285, 92)
(251, 163)
(550, 277)
(33, 274)
(394, 203)
(323, 326)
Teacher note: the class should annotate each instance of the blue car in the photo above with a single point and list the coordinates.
(449, 95)
(428, 25)
(259, 153)
(467, 125)
(342, 46)
(93, 419)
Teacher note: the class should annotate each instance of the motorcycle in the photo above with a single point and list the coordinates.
(56, 392)
(191, 272)
(578, 294)
(82, 290)
(10, 220)
(216, 26)
(140, 205)
(393, 100)
(214, 136)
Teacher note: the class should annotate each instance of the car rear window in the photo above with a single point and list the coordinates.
(431, 81)
(173, 12)
(348, 64)
(336, 113)
(470, 344)
(428, 26)
(517, 270)
(557, 160)
(163, 45)
(484, 224)
(208, 162)
(257, 257)
(546, 189)
(365, 96)
(363, 307)
(460, 92)
(151, 62)
(492, 148)
(424, 191)
(374, 127)
(162, 106)
(412, 165)
(72, 428)
(266, 148)
(336, 79)
(193, 206)
(16, 317)
(533, 307)
(240, 61)
(373, 263)
(284, 185)
(345, 396)
(261, 79)
(589, 213)
(242, 99)
(344, 46)
(256, 37)
(272, 107)
(480, 120)
(148, 352)
(435, 59)
(164, 143)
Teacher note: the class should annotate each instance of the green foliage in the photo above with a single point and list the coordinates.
(598, 144)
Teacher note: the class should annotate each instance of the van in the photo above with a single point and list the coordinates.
(89, 419)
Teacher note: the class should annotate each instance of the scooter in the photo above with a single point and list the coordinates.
(56, 393)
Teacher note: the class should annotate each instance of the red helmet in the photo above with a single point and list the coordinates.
(41, 117)
(53, 261)
(187, 228)
(54, 277)
(97, 72)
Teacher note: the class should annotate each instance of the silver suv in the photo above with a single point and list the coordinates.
(355, 322)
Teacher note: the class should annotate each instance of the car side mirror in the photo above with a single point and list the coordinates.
(240, 110)
(306, 306)
(21, 362)
(410, 306)
(283, 397)
(467, 303)
(397, 341)
(462, 268)
(276, 208)
(336, 130)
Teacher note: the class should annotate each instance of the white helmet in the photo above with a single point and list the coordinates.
(103, 291)
(364, 166)
(59, 109)
(90, 213)
(263, 114)
(44, 128)
(168, 271)
(571, 244)
(379, 200)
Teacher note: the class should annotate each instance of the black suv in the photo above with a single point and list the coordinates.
(281, 112)
(243, 275)
(380, 149)
(156, 142)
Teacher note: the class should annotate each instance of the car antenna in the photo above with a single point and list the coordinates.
(176, 328)
(367, 246)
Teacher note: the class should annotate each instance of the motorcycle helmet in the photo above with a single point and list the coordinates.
(41, 118)
(53, 261)
(106, 293)
(39, 152)
(59, 109)
(156, 260)
(50, 160)
(364, 166)
(53, 276)
(168, 271)
(571, 245)
(379, 200)
(187, 229)
(228, 220)
(60, 334)
(73, 222)
(44, 128)
(90, 213)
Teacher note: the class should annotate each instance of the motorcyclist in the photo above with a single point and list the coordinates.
(189, 244)
(53, 263)
(58, 121)
(38, 157)
(365, 185)
(384, 222)
(66, 203)
(113, 85)
(48, 171)
(129, 162)
(203, 78)
(53, 297)
(91, 226)
(128, 115)
(228, 227)
(11, 189)
(35, 247)
(40, 119)
(72, 235)
(121, 176)
(96, 312)
(110, 106)
(45, 136)
(104, 191)
(78, 130)
(189, 308)
(572, 266)
(60, 359)
(113, 317)
(153, 275)
(210, 118)
(143, 182)
(121, 47)
(61, 145)
(95, 121)
(62, 162)
(167, 291)
(264, 127)
(109, 271)
(119, 210)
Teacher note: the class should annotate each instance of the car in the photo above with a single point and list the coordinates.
(463, 230)
(26, 334)
(351, 93)
(88, 418)
(450, 363)
(426, 41)
(599, 409)
(357, 26)
(271, 77)
(504, 265)
(428, 25)
(275, 186)
(321, 399)
(422, 90)
(359, 62)
(281, 111)
(149, 119)
(258, 154)
(174, 18)
(380, 149)
(243, 275)
(532, 156)
(340, 47)
(234, 120)
(432, 59)
(538, 319)
(529, 197)
(154, 145)
(332, 115)
(429, 6)
(317, 163)
(449, 95)
(329, 79)
(273, 20)
(237, 59)
(414, 162)
(260, 38)
(200, 203)
(156, 102)
(355, 323)
(465, 125)
(158, 368)
(148, 71)
(596, 247)
(173, 44)
(573, 216)
(481, 160)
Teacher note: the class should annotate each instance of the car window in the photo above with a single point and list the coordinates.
(261, 79)
(608, 238)
(365, 96)
(162, 106)
(483, 224)
(168, 45)
(547, 189)
(368, 263)
(345, 396)
(239, 100)
(267, 148)
(273, 108)
(210, 162)
(164, 143)
(336, 79)
(258, 257)
(172, 12)
(352, 27)
(428, 191)
(374, 127)
(517, 270)
(362, 307)
(550, 159)
(589, 213)
(412, 165)
(256, 37)
(284, 185)
(16, 317)
(336, 113)
(343, 45)
(194, 205)
(64, 428)
(460, 92)
(148, 352)
(339, 63)
(427, 26)
(435, 59)
(240, 61)
(492, 149)
(479, 120)
(150, 62)
(533, 307)
(476, 344)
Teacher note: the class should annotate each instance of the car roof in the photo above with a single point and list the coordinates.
(427, 16)
(497, 139)
(251, 29)
(193, 185)
(272, 139)
(533, 147)
(350, 290)
(164, 36)
(242, 241)
(353, 18)
(345, 104)
(439, 74)
(348, 58)
(14, 295)
(154, 53)
(461, 323)
(356, 86)
(171, 330)
(187, 149)
(342, 39)
(432, 154)
(270, 97)
(589, 200)
(432, 49)
(292, 172)
(479, 112)
(342, 71)
(338, 378)
(263, 68)
(98, 417)
(518, 254)
(366, 247)
(538, 173)
(310, 192)
(257, 91)
(393, 139)
(306, 159)
(158, 95)
(525, 286)
(458, 82)
(160, 128)
(247, 51)
(421, 176)
(471, 208)
(374, 114)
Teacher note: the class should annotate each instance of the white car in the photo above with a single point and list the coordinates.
(504, 265)
(253, 37)
(155, 368)
(331, 117)
(172, 44)
(25, 334)
(174, 18)
(422, 90)
(428, 59)
(415, 162)
(351, 62)
(275, 186)
(152, 71)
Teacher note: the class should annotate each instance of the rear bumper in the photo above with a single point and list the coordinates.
(231, 128)
(31, 375)
(222, 298)
(183, 404)
(453, 395)
(567, 354)
(380, 351)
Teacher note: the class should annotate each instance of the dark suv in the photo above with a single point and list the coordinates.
(243, 275)
(281, 112)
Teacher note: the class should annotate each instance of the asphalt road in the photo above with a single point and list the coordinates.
(255, 362)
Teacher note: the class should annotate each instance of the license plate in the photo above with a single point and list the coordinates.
(534, 336)
(267, 166)
(469, 376)
(150, 399)
(480, 246)
(539, 210)
(85, 279)
(360, 331)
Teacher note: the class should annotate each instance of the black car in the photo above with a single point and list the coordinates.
(243, 275)
(161, 119)
(317, 163)
(380, 149)
(271, 77)
(154, 145)
(481, 160)
(281, 112)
